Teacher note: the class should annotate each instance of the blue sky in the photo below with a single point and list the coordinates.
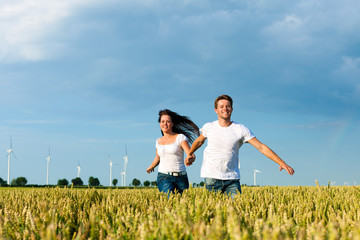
(88, 77)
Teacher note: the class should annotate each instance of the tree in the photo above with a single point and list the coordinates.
(147, 183)
(77, 181)
(136, 182)
(154, 183)
(3, 182)
(114, 182)
(19, 182)
(202, 183)
(94, 181)
(63, 182)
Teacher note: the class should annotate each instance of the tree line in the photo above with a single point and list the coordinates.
(93, 181)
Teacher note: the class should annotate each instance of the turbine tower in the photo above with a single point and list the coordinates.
(78, 168)
(122, 178)
(111, 164)
(10, 151)
(47, 171)
(125, 165)
(255, 171)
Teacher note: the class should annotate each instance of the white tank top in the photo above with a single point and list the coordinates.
(171, 155)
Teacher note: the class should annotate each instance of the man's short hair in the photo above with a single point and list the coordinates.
(223, 97)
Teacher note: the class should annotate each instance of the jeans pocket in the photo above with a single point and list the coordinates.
(210, 181)
(162, 177)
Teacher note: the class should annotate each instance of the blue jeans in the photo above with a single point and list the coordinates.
(167, 183)
(229, 186)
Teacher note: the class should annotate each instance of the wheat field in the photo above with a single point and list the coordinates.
(258, 213)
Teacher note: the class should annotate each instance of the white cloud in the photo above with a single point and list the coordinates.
(346, 81)
(357, 93)
(317, 125)
(290, 22)
(351, 65)
(33, 122)
(290, 31)
(348, 74)
(26, 26)
(313, 27)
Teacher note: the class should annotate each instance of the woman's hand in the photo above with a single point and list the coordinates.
(190, 159)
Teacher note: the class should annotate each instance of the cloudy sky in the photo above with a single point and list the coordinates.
(87, 79)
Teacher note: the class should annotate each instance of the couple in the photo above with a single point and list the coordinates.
(220, 159)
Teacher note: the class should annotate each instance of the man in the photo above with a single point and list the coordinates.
(221, 155)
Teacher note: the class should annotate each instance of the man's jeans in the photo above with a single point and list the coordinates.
(229, 186)
(167, 183)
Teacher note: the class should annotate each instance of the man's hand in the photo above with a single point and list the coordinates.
(150, 170)
(289, 169)
(190, 159)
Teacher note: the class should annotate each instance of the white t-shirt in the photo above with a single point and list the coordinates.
(221, 155)
(171, 155)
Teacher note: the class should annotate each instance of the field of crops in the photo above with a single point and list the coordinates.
(258, 213)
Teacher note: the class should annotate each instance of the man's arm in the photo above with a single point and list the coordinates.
(271, 154)
(195, 146)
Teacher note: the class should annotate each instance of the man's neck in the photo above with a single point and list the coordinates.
(224, 122)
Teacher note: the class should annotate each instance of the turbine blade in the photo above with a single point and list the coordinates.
(14, 155)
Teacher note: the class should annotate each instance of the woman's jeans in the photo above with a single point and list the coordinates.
(167, 183)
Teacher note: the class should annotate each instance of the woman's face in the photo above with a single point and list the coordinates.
(166, 124)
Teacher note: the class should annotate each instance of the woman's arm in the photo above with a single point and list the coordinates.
(154, 164)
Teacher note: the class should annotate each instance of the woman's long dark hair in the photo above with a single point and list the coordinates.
(182, 124)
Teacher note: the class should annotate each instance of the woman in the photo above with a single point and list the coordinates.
(177, 132)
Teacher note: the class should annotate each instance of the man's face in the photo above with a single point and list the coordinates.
(223, 109)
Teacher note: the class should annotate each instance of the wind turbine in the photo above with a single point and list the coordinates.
(47, 172)
(78, 168)
(255, 171)
(125, 165)
(111, 164)
(10, 151)
(122, 178)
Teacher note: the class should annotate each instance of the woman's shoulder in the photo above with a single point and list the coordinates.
(175, 139)
(158, 140)
(180, 138)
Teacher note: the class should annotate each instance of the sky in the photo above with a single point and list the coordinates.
(87, 78)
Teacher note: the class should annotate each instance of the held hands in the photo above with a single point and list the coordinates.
(190, 159)
(289, 169)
